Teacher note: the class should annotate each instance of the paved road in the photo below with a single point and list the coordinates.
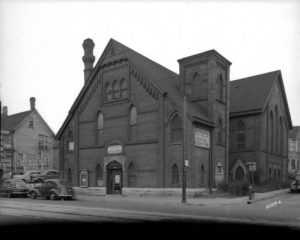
(280, 211)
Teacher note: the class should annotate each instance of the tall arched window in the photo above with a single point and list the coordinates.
(175, 175)
(271, 139)
(278, 172)
(123, 88)
(241, 135)
(108, 92)
(133, 124)
(221, 88)
(204, 89)
(116, 90)
(196, 85)
(202, 174)
(239, 174)
(131, 175)
(98, 175)
(69, 175)
(176, 129)
(70, 142)
(280, 136)
(274, 174)
(270, 175)
(220, 131)
(100, 126)
(276, 131)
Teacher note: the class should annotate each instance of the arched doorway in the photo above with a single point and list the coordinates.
(114, 178)
(239, 174)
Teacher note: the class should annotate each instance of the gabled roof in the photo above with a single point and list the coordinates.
(294, 132)
(251, 93)
(162, 78)
(12, 121)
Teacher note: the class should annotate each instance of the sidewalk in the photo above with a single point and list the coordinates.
(200, 201)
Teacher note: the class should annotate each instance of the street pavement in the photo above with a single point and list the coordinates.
(278, 208)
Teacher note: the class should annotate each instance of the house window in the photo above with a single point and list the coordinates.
(133, 124)
(221, 88)
(70, 142)
(293, 146)
(241, 135)
(100, 126)
(108, 92)
(196, 85)
(271, 138)
(293, 165)
(116, 90)
(176, 129)
(220, 131)
(69, 175)
(98, 175)
(20, 159)
(43, 141)
(30, 124)
(131, 175)
(123, 88)
(175, 175)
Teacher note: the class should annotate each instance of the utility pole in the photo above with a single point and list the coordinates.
(183, 156)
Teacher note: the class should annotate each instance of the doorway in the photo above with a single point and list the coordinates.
(114, 178)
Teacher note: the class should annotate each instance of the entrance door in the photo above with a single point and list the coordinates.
(114, 178)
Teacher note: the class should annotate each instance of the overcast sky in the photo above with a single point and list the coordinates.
(41, 43)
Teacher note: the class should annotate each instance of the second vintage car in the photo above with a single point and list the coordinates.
(13, 187)
(53, 189)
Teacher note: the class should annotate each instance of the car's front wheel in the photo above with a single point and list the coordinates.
(33, 195)
(9, 194)
(53, 196)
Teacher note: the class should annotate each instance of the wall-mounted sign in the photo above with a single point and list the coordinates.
(114, 149)
(201, 138)
(186, 163)
(4, 132)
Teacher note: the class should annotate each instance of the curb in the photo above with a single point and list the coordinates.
(268, 197)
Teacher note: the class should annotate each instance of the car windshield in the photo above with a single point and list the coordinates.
(64, 182)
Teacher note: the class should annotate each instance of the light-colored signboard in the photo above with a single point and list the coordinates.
(4, 132)
(115, 149)
(202, 138)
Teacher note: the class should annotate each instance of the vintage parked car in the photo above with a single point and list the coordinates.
(14, 187)
(295, 184)
(48, 174)
(27, 176)
(53, 189)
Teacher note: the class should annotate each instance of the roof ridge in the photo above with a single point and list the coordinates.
(253, 76)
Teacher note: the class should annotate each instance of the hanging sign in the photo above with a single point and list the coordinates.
(202, 138)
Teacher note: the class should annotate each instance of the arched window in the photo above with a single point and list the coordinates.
(176, 129)
(239, 174)
(123, 88)
(70, 142)
(220, 131)
(278, 172)
(116, 90)
(280, 136)
(98, 175)
(131, 175)
(276, 131)
(132, 124)
(271, 139)
(69, 174)
(202, 174)
(203, 89)
(175, 175)
(270, 175)
(241, 135)
(274, 174)
(221, 88)
(196, 85)
(108, 92)
(100, 126)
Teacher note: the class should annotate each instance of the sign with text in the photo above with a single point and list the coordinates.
(115, 149)
(202, 138)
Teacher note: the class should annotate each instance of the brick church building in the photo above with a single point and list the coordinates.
(126, 128)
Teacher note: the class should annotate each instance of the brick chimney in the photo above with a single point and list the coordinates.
(32, 103)
(88, 58)
(4, 114)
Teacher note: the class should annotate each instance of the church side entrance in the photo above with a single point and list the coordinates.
(114, 178)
